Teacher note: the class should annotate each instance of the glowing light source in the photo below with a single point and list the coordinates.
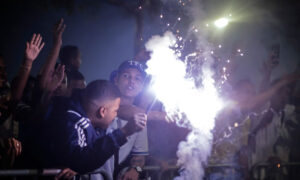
(191, 106)
(196, 103)
(236, 124)
(221, 23)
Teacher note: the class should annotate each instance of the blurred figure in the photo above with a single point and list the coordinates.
(62, 88)
(30, 112)
(70, 57)
(3, 75)
(13, 147)
(75, 81)
(271, 134)
(5, 94)
(231, 135)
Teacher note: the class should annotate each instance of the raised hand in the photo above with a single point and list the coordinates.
(137, 124)
(15, 147)
(140, 120)
(34, 47)
(56, 78)
(58, 31)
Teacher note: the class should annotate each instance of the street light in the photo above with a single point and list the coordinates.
(221, 23)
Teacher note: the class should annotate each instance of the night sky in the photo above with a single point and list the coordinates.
(105, 33)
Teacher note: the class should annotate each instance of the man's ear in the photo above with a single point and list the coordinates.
(101, 112)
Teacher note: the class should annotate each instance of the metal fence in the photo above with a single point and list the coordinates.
(261, 171)
(279, 171)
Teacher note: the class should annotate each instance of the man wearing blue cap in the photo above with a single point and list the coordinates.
(129, 78)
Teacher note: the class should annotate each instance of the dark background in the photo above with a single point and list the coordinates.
(107, 31)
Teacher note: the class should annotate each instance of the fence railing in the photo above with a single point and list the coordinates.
(260, 171)
(276, 171)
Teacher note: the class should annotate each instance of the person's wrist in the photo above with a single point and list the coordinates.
(27, 64)
(138, 169)
(57, 41)
(27, 61)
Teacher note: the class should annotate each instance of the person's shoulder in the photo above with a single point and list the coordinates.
(75, 119)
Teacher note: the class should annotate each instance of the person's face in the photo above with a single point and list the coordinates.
(61, 90)
(130, 82)
(77, 61)
(76, 84)
(109, 113)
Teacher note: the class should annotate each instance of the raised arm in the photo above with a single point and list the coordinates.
(33, 49)
(48, 67)
(266, 71)
(266, 95)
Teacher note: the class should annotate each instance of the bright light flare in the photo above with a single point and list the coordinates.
(181, 97)
(200, 105)
(221, 23)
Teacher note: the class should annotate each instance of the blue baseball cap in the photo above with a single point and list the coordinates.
(128, 64)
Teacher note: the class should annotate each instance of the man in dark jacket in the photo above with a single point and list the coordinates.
(70, 128)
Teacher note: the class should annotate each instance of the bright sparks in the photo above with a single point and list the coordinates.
(194, 107)
(175, 91)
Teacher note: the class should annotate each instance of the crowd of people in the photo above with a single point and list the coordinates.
(105, 127)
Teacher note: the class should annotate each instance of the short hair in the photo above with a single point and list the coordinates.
(101, 90)
(74, 74)
(68, 52)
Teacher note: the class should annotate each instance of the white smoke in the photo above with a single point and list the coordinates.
(180, 96)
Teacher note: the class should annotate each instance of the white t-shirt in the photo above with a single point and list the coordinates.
(267, 137)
